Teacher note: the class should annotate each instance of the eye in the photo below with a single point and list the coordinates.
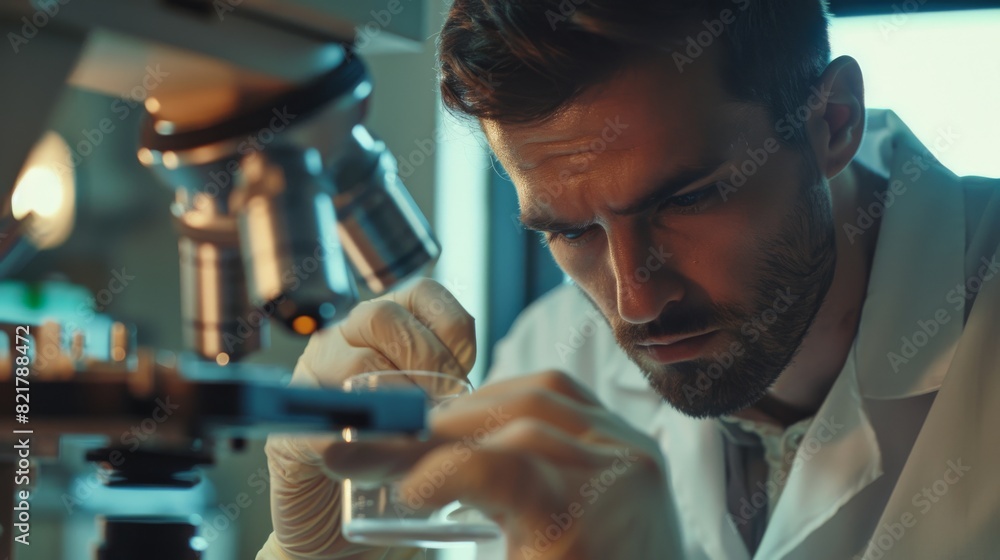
(690, 203)
(570, 237)
(689, 199)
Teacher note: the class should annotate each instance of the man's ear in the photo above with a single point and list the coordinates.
(838, 120)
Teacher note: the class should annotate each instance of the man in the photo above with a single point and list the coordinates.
(787, 334)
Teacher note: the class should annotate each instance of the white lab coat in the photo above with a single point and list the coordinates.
(860, 474)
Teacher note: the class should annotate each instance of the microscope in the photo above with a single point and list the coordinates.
(252, 115)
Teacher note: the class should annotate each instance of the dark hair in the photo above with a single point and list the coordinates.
(519, 61)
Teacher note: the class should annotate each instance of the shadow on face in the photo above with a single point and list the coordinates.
(704, 239)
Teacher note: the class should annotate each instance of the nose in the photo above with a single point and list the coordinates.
(645, 279)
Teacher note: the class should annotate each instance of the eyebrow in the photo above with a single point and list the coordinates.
(666, 189)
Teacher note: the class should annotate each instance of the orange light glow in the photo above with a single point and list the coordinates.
(304, 325)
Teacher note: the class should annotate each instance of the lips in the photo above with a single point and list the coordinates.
(673, 339)
(677, 348)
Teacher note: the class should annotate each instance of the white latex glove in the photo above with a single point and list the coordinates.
(420, 327)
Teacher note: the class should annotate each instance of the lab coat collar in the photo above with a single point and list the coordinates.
(915, 267)
(919, 257)
(838, 457)
(909, 327)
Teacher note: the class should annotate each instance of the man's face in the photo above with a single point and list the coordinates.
(707, 246)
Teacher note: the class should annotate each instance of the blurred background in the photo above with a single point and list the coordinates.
(937, 64)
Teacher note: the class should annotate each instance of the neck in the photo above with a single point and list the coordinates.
(803, 386)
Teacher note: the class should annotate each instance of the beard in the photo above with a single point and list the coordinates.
(762, 336)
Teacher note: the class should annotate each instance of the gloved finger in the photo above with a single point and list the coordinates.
(393, 331)
(377, 336)
(437, 309)
(303, 455)
(305, 504)
(303, 375)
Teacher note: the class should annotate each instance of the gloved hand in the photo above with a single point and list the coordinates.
(565, 477)
(420, 327)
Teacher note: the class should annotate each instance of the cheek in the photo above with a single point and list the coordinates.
(589, 268)
(717, 258)
(719, 253)
(727, 251)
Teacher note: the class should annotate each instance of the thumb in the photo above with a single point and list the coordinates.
(305, 503)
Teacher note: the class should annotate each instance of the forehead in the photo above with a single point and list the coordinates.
(649, 110)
